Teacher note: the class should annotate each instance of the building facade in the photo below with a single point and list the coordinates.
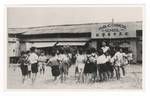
(127, 35)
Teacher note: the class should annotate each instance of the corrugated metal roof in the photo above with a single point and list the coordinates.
(81, 28)
(17, 30)
(60, 29)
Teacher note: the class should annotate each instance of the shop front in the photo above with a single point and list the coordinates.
(127, 35)
(117, 35)
(49, 41)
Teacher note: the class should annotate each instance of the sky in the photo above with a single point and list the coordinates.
(20, 17)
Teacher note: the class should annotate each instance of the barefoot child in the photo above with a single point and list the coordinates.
(80, 63)
(101, 62)
(23, 65)
(119, 62)
(42, 62)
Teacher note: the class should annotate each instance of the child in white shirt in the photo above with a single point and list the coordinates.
(42, 63)
(119, 59)
(109, 66)
(80, 64)
(101, 61)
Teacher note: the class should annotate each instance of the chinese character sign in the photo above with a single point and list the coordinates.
(117, 30)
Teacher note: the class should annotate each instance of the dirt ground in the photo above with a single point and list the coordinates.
(132, 80)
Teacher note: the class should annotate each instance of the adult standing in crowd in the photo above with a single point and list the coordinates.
(33, 60)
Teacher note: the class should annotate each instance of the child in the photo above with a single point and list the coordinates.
(119, 62)
(23, 65)
(101, 60)
(130, 57)
(90, 68)
(53, 62)
(64, 65)
(33, 60)
(42, 61)
(109, 67)
(29, 65)
(80, 63)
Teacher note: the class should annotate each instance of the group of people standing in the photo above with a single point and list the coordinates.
(31, 63)
(90, 65)
(102, 64)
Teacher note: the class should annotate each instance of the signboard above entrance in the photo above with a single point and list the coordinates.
(116, 30)
(112, 28)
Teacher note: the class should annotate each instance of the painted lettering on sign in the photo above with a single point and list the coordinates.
(112, 28)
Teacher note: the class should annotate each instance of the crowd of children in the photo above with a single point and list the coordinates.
(91, 65)
(102, 64)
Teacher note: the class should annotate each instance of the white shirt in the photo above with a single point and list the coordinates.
(92, 58)
(105, 49)
(80, 59)
(119, 58)
(130, 56)
(42, 59)
(53, 61)
(33, 58)
(101, 59)
(63, 58)
(108, 58)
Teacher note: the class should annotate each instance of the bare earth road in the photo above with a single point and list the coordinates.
(132, 80)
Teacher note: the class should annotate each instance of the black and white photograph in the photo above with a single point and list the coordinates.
(75, 47)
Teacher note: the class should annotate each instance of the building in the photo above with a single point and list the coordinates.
(127, 35)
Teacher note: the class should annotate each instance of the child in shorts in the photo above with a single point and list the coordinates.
(42, 63)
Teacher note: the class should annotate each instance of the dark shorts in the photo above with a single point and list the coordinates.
(34, 68)
(55, 70)
(24, 70)
(109, 67)
(76, 70)
(90, 68)
(105, 67)
(101, 68)
(64, 68)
